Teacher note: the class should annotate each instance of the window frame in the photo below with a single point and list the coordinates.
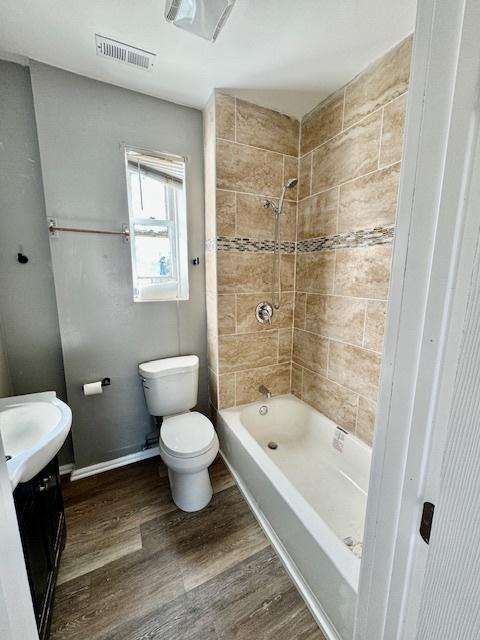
(162, 291)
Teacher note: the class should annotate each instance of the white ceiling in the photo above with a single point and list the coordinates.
(286, 54)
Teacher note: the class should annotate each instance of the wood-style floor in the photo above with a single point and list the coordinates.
(135, 567)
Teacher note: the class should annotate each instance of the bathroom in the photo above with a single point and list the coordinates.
(232, 318)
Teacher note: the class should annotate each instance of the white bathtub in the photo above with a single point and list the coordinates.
(309, 494)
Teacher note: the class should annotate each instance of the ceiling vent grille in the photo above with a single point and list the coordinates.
(108, 48)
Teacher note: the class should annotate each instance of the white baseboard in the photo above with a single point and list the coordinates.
(288, 564)
(65, 469)
(84, 472)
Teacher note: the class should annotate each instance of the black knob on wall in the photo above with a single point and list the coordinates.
(21, 258)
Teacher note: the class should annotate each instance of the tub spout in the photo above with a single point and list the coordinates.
(264, 391)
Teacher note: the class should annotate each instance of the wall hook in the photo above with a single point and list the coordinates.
(22, 258)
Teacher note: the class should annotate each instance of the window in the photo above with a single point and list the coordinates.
(158, 226)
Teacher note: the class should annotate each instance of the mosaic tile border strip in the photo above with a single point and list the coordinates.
(349, 240)
(225, 243)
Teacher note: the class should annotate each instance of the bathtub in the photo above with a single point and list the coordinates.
(309, 494)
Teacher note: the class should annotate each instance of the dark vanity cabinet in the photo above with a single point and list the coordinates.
(41, 521)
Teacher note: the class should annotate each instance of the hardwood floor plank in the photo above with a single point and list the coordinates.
(137, 568)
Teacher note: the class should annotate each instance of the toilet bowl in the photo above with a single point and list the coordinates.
(188, 443)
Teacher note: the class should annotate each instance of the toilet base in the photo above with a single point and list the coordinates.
(190, 491)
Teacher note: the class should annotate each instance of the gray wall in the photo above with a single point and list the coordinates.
(81, 126)
(31, 337)
(5, 383)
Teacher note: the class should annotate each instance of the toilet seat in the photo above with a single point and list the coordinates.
(187, 435)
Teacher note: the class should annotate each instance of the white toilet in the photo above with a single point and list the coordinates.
(188, 442)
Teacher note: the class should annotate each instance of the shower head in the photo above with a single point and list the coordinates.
(290, 183)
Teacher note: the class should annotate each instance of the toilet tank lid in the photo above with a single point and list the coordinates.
(167, 366)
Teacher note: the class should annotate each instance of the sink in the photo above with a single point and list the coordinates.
(33, 428)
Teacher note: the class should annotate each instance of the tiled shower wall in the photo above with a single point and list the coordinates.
(336, 247)
(350, 153)
(256, 150)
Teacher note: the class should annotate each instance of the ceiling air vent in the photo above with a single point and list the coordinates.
(108, 48)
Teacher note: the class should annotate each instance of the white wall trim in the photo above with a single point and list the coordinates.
(290, 567)
(101, 467)
(65, 469)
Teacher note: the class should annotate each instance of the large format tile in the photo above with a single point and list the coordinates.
(247, 351)
(225, 116)
(243, 168)
(315, 271)
(384, 80)
(336, 317)
(392, 131)
(304, 176)
(226, 314)
(366, 420)
(317, 215)
(370, 201)
(226, 213)
(290, 170)
(245, 272)
(299, 315)
(276, 378)
(254, 220)
(310, 350)
(363, 271)
(322, 123)
(226, 390)
(336, 402)
(349, 155)
(375, 325)
(297, 380)
(354, 368)
(265, 128)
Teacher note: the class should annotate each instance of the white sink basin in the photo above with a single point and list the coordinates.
(32, 428)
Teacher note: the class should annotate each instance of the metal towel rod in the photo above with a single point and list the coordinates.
(53, 229)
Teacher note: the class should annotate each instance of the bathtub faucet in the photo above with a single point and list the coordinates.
(264, 391)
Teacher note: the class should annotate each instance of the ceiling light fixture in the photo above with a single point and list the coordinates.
(204, 18)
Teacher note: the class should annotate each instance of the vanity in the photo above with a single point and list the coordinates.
(33, 428)
(41, 520)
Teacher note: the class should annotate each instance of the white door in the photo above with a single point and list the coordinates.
(434, 260)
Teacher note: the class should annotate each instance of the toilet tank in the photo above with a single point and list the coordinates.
(170, 385)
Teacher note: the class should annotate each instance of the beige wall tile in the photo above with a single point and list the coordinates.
(304, 176)
(225, 116)
(245, 272)
(276, 378)
(384, 80)
(213, 387)
(297, 376)
(310, 350)
(300, 309)
(226, 314)
(265, 128)
(285, 339)
(392, 131)
(290, 170)
(243, 168)
(246, 305)
(322, 123)
(317, 215)
(212, 348)
(336, 317)
(370, 201)
(337, 403)
(315, 271)
(366, 420)
(349, 155)
(354, 368)
(375, 325)
(226, 210)
(210, 271)
(226, 390)
(363, 272)
(255, 221)
(247, 351)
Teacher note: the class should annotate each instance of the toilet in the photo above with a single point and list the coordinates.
(188, 443)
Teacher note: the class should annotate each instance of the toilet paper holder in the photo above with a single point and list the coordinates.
(105, 383)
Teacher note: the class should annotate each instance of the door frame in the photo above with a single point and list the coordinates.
(434, 250)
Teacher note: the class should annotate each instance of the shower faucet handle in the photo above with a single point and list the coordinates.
(264, 313)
